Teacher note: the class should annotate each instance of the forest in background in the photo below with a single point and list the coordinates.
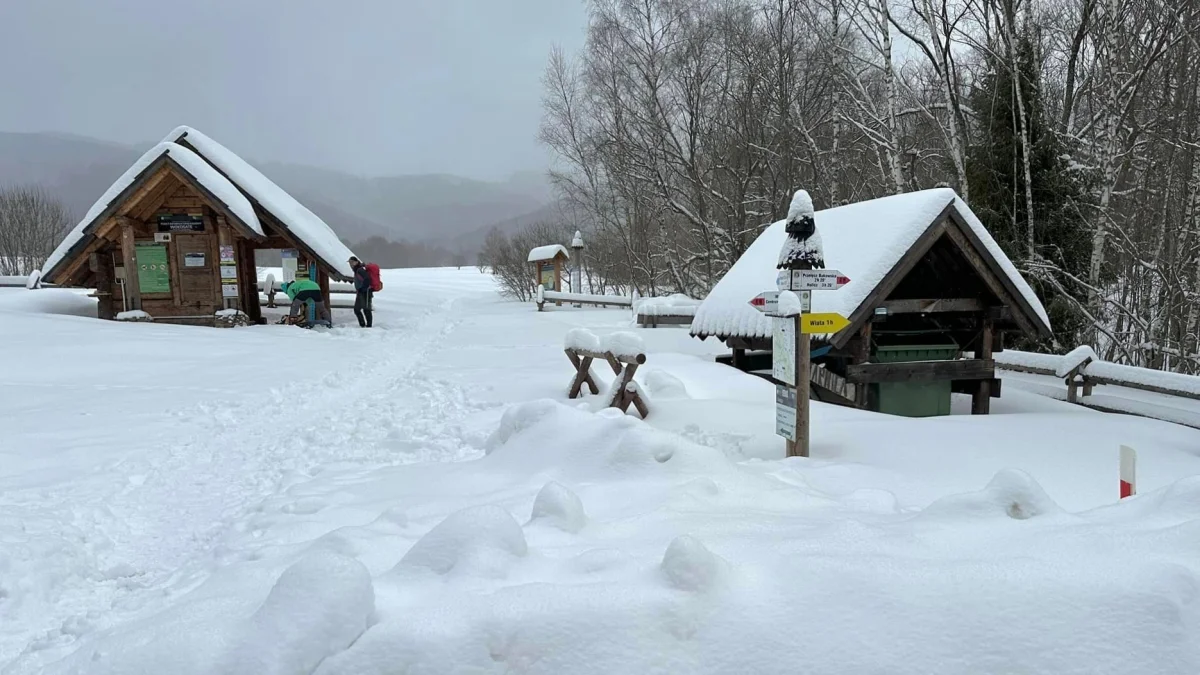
(1069, 126)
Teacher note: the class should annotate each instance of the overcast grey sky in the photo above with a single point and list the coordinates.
(367, 86)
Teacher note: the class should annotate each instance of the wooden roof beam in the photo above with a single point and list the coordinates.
(933, 305)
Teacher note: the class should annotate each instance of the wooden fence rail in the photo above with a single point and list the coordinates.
(1082, 371)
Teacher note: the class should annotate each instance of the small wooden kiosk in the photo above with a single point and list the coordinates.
(548, 264)
(174, 238)
(930, 301)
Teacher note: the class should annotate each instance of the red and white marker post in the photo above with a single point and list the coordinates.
(1128, 472)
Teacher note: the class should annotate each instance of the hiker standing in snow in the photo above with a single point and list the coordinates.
(362, 292)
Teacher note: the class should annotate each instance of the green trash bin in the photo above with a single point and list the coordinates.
(914, 399)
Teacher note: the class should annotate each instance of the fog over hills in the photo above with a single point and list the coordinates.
(435, 210)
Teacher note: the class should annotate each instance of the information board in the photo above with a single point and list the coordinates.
(154, 274)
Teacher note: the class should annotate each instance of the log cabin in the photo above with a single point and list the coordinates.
(174, 238)
(931, 298)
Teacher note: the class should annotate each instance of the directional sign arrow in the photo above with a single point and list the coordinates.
(766, 302)
(824, 323)
(811, 280)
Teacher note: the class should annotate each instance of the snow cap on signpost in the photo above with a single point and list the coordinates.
(577, 241)
(802, 249)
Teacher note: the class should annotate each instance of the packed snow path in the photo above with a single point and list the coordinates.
(269, 499)
(156, 481)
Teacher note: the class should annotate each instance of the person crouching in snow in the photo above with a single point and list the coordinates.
(300, 292)
(362, 292)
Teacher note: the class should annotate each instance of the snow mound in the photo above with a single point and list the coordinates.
(34, 281)
(560, 507)
(1011, 493)
(1080, 356)
(318, 607)
(581, 339)
(133, 315)
(623, 343)
(230, 312)
(662, 384)
(472, 534)
(519, 418)
(690, 566)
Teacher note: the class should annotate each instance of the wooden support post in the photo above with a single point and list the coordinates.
(981, 402)
(583, 375)
(863, 355)
(133, 290)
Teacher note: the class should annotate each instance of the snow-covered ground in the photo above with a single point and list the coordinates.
(421, 498)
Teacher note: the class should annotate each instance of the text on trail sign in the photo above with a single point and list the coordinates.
(811, 280)
(823, 323)
(785, 411)
(767, 302)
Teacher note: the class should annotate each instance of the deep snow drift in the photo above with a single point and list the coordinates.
(422, 498)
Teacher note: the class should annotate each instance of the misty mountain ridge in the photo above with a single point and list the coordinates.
(442, 210)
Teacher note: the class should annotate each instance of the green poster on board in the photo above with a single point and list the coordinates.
(153, 274)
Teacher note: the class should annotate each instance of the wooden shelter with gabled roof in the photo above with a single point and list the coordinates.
(923, 272)
(174, 237)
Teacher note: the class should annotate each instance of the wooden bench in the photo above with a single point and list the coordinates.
(656, 320)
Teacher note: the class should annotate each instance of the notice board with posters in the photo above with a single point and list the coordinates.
(154, 272)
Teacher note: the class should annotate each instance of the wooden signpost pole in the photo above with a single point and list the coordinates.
(799, 447)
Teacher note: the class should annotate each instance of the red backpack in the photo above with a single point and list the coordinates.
(373, 273)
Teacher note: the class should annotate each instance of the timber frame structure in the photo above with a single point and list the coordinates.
(167, 245)
(947, 287)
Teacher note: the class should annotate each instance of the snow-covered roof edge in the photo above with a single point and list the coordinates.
(301, 223)
(890, 226)
(547, 252)
(189, 163)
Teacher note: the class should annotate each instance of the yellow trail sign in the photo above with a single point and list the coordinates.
(822, 323)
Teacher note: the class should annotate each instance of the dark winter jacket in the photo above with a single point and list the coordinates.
(362, 279)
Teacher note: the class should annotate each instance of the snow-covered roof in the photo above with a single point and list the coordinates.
(300, 222)
(547, 252)
(863, 241)
(204, 174)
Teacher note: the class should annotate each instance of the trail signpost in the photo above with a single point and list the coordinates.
(801, 270)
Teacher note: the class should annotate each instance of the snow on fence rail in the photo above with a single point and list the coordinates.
(31, 281)
(1083, 370)
(542, 296)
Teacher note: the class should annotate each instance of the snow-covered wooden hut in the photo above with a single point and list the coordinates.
(548, 263)
(923, 271)
(174, 237)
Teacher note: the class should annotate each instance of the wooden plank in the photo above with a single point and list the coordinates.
(835, 384)
(892, 279)
(154, 186)
(132, 289)
(653, 320)
(933, 305)
(610, 357)
(969, 387)
(922, 371)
